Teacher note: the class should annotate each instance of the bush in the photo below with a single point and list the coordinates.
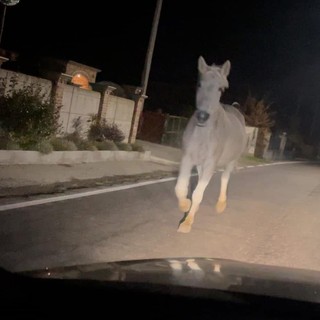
(27, 115)
(106, 145)
(60, 144)
(6, 144)
(87, 145)
(74, 137)
(44, 147)
(137, 147)
(124, 146)
(101, 130)
(12, 145)
(3, 143)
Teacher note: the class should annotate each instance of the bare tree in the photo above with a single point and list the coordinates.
(258, 113)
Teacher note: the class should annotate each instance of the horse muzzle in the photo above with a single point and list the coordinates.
(202, 117)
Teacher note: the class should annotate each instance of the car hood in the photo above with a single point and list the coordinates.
(208, 273)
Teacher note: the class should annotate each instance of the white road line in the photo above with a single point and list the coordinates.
(107, 190)
(288, 162)
(81, 194)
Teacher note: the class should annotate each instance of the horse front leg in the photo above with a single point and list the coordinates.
(182, 184)
(222, 201)
(197, 196)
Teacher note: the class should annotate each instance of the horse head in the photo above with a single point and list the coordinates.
(211, 83)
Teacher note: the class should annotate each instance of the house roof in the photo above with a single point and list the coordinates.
(83, 65)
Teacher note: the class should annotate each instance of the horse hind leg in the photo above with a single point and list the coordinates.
(222, 201)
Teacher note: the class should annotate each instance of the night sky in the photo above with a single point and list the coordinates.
(273, 45)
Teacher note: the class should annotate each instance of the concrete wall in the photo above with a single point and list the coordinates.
(262, 144)
(252, 134)
(76, 103)
(23, 80)
(120, 111)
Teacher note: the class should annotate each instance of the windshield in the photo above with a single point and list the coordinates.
(175, 131)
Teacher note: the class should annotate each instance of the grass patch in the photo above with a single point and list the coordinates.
(251, 160)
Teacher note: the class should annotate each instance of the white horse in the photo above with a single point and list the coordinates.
(215, 136)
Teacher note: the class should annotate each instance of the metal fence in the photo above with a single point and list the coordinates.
(173, 130)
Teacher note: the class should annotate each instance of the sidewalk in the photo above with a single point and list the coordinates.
(26, 180)
(162, 154)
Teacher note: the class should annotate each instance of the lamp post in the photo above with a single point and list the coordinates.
(6, 3)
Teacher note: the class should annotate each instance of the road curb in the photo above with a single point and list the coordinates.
(60, 187)
(163, 161)
(271, 164)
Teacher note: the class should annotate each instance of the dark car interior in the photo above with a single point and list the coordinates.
(24, 297)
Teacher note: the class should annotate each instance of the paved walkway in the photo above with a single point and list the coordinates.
(161, 153)
(22, 180)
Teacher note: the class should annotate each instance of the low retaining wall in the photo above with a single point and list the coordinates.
(9, 157)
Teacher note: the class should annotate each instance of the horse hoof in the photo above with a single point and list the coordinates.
(185, 205)
(184, 228)
(221, 206)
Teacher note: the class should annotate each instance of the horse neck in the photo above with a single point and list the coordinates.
(215, 100)
(216, 106)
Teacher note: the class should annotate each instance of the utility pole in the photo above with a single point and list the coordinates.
(152, 40)
(139, 101)
(2, 21)
(6, 3)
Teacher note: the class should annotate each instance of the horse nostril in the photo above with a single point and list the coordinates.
(202, 116)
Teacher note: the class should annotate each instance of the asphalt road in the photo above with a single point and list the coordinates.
(273, 217)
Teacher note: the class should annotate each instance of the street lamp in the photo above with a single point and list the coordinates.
(6, 3)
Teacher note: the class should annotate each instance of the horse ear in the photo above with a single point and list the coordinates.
(225, 69)
(202, 65)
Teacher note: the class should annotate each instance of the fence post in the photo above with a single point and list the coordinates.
(104, 99)
(138, 107)
(164, 129)
(283, 142)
